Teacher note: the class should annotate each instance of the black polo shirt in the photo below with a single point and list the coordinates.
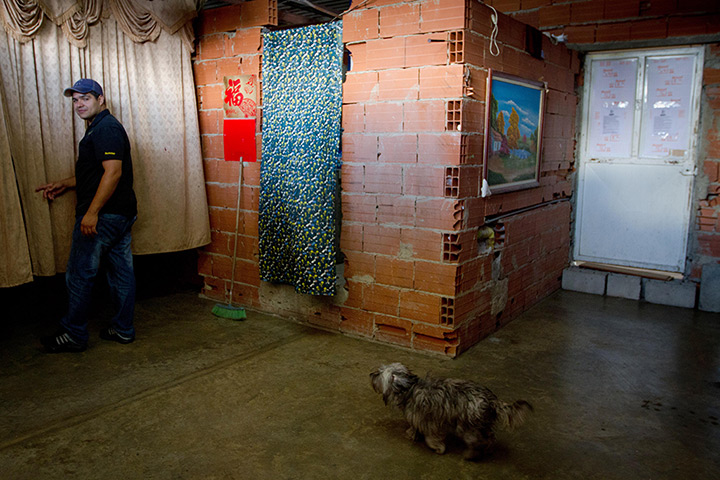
(105, 139)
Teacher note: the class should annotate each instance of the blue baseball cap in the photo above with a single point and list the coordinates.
(84, 85)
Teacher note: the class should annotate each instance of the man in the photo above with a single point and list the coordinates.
(105, 212)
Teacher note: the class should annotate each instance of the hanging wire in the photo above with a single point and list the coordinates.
(494, 49)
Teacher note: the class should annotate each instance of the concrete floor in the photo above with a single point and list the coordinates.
(621, 390)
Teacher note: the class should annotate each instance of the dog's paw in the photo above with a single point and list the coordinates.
(435, 444)
(412, 434)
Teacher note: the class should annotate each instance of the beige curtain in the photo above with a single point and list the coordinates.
(14, 265)
(148, 87)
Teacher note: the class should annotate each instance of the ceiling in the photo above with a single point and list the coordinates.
(297, 12)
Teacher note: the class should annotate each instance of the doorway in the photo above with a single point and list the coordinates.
(637, 157)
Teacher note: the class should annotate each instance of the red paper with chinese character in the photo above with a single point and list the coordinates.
(240, 109)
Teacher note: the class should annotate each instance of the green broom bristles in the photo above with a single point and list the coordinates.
(228, 311)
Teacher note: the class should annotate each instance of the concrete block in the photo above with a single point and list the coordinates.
(710, 288)
(584, 280)
(624, 286)
(674, 293)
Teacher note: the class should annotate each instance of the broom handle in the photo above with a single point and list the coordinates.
(237, 226)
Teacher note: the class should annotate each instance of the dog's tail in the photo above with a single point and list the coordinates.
(511, 416)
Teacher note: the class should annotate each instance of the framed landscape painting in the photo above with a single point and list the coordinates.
(513, 132)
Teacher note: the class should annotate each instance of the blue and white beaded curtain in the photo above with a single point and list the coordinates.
(302, 103)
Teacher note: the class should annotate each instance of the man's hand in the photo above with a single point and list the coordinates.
(51, 191)
(88, 224)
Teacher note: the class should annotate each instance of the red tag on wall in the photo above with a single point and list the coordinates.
(240, 110)
(239, 139)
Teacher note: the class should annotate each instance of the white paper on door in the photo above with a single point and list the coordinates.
(665, 126)
(612, 106)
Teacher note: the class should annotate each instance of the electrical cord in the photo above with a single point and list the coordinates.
(494, 49)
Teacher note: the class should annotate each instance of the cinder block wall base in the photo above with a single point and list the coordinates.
(416, 272)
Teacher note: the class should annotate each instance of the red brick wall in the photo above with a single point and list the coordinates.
(228, 45)
(416, 275)
(602, 21)
(708, 216)
(411, 180)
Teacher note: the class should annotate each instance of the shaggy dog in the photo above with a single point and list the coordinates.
(436, 408)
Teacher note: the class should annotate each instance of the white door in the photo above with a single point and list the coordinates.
(637, 157)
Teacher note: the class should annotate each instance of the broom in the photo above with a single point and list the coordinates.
(228, 311)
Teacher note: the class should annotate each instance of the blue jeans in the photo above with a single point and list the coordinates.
(111, 245)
